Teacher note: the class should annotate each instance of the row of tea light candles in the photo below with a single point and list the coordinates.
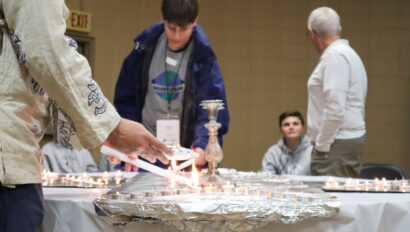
(377, 185)
(51, 178)
(227, 191)
(211, 188)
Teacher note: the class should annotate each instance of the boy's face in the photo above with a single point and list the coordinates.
(292, 128)
(178, 36)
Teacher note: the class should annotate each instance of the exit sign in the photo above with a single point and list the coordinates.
(79, 21)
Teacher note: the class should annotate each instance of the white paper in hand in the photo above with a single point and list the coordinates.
(181, 153)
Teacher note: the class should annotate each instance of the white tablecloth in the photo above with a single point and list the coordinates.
(71, 209)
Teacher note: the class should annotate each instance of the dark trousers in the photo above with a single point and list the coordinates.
(345, 159)
(21, 208)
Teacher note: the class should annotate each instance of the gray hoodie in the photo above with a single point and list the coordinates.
(283, 161)
(61, 159)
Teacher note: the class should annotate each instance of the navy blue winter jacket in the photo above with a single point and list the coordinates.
(204, 83)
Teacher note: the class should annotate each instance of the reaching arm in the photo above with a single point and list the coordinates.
(38, 33)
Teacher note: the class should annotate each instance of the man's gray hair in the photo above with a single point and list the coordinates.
(324, 21)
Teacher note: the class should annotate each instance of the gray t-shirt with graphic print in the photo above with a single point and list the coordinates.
(166, 84)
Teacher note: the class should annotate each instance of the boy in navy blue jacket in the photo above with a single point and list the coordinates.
(171, 69)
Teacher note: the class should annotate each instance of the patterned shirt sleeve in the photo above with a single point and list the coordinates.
(51, 59)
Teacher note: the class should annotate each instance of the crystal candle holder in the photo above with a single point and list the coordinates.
(213, 151)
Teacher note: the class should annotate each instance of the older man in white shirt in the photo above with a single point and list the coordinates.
(337, 91)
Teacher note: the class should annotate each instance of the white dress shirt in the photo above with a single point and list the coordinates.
(337, 91)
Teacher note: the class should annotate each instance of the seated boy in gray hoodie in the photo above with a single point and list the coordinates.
(291, 155)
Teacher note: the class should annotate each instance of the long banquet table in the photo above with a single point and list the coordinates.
(72, 209)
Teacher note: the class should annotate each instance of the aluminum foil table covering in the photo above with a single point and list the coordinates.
(262, 198)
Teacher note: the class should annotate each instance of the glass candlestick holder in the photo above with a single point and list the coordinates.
(213, 151)
(212, 106)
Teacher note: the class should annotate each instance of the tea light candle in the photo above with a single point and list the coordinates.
(118, 175)
(331, 182)
(84, 176)
(198, 190)
(350, 185)
(241, 190)
(117, 196)
(252, 190)
(333, 185)
(79, 182)
(366, 186)
(404, 188)
(182, 191)
(210, 189)
(288, 195)
(404, 182)
(99, 183)
(376, 184)
(395, 184)
(315, 199)
(386, 185)
(172, 184)
(149, 194)
(268, 194)
(72, 181)
(228, 188)
(258, 193)
(276, 194)
(135, 196)
(165, 193)
(90, 183)
(105, 176)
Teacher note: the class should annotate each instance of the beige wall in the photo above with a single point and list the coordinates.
(266, 60)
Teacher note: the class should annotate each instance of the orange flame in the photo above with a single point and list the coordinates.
(194, 176)
(174, 165)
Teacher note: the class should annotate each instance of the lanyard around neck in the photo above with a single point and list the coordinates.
(167, 75)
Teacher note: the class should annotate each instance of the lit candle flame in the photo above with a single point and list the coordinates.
(194, 176)
(174, 165)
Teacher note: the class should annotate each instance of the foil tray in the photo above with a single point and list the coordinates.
(255, 201)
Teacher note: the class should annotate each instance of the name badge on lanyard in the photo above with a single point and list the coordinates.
(171, 61)
(168, 131)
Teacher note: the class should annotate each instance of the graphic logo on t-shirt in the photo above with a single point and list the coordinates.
(167, 85)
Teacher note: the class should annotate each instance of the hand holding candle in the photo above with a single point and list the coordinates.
(132, 138)
(147, 166)
(200, 159)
